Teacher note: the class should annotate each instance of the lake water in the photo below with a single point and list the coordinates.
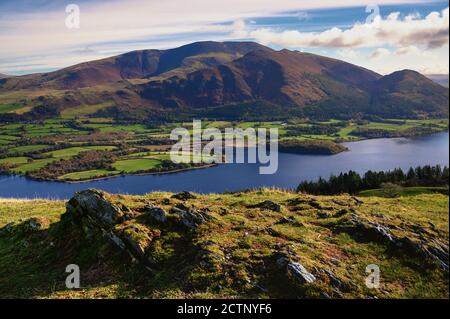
(378, 154)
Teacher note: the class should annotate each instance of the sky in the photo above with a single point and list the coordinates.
(45, 35)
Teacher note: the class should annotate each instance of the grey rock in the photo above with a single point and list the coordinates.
(383, 231)
(115, 239)
(300, 273)
(156, 213)
(94, 204)
(190, 217)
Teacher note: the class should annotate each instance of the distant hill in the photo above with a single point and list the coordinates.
(409, 90)
(229, 80)
(441, 79)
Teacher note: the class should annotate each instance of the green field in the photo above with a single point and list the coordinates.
(28, 148)
(6, 108)
(92, 174)
(135, 128)
(14, 160)
(73, 151)
(408, 191)
(33, 166)
(136, 165)
(8, 137)
(83, 110)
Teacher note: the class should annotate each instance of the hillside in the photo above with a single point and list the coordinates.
(408, 90)
(284, 77)
(133, 65)
(256, 244)
(220, 81)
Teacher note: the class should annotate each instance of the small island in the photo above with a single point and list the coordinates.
(313, 147)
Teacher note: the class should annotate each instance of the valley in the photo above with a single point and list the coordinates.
(91, 148)
(114, 116)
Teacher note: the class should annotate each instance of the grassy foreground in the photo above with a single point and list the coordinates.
(235, 253)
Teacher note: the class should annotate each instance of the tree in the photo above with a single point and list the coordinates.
(391, 190)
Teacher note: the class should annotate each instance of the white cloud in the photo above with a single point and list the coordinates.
(413, 50)
(239, 29)
(40, 38)
(429, 32)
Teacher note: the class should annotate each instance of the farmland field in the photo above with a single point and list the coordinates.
(136, 165)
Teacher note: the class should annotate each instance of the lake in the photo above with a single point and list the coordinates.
(377, 154)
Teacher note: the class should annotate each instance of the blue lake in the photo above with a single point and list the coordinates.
(378, 154)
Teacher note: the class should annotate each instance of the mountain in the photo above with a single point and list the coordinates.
(317, 85)
(232, 80)
(3, 76)
(284, 77)
(135, 65)
(408, 90)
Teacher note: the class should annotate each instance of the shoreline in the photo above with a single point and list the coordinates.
(110, 176)
(137, 174)
(211, 165)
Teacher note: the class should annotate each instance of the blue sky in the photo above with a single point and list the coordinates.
(34, 36)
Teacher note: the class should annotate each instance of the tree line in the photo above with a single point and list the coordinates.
(352, 182)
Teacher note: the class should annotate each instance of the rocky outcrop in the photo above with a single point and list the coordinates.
(157, 214)
(189, 216)
(98, 215)
(93, 206)
(432, 249)
(268, 205)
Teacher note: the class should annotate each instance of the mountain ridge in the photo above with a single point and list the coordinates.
(197, 77)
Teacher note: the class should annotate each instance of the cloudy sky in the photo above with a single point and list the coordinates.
(412, 34)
